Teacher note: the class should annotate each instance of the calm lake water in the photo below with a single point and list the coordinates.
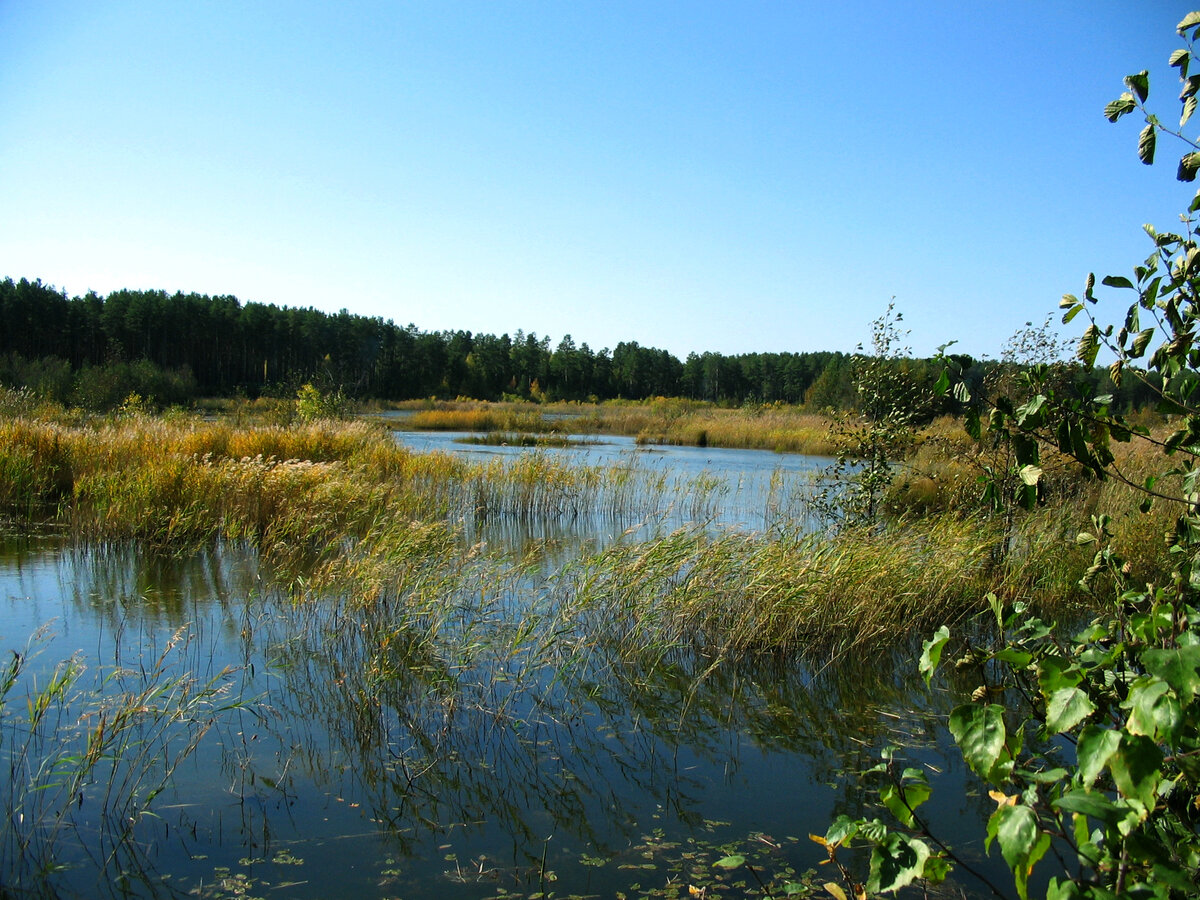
(368, 767)
(746, 489)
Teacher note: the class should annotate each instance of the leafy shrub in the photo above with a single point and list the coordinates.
(1091, 745)
(312, 404)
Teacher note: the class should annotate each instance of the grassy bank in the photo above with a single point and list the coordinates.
(778, 428)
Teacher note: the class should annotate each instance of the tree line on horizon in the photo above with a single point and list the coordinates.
(94, 351)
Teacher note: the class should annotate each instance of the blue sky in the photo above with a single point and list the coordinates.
(693, 176)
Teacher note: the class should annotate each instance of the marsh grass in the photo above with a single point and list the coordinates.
(308, 495)
(302, 492)
(783, 431)
(519, 439)
(35, 473)
(826, 594)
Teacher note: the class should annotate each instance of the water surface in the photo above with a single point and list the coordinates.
(375, 760)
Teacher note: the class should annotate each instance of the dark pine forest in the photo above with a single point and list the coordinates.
(94, 351)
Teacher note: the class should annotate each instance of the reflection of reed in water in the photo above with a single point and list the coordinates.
(470, 702)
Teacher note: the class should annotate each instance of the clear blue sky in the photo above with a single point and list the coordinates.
(695, 176)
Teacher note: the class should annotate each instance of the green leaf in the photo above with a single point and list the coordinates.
(902, 801)
(1135, 768)
(1189, 109)
(896, 861)
(1090, 803)
(1062, 890)
(1178, 59)
(1018, 659)
(1146, 142)
(1056, 673)
(1016, 828)
(1180, 668)
(1089, 345)
(1032, 413)
(936, 869)
(931, 653)
(1189, 163)
(1036, 852)
(1191, 20)
(1140, 343)
(842, 830)
(1094, 749)
(996, 605)
(1026, 450)
(1117, 281)
(1119, 107)
(730, 862)
(943, 384)
(1066, 709)
(1154, 710)
(1139, 84)
(1046, 776)
(1027, 496)
(979, 732)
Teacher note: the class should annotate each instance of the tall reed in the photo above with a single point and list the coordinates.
(312, 492)
(738, 592)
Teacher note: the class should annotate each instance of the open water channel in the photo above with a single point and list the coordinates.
(338, 763)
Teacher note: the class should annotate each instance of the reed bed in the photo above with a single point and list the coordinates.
(312, 493)
(740, 592)
(300, 491)
(781, 431)
(520, 439)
